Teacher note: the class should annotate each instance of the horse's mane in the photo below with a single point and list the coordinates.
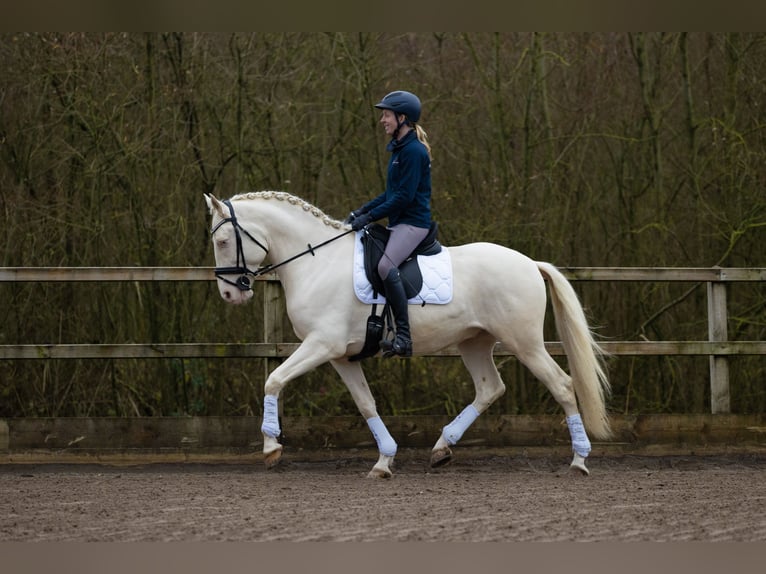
(293, 200)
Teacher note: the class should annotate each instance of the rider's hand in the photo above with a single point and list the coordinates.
(360, 221)
(353, 215)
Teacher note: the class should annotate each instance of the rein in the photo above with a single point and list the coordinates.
(243, 282)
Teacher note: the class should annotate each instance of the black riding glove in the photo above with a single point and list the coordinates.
(353, 215)
(360, 221)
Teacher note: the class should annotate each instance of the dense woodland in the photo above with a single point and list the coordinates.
(587, 149)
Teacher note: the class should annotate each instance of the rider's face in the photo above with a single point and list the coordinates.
(388, 120)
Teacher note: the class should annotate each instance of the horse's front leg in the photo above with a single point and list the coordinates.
(354, 379)
(307, 356)
(272, 449)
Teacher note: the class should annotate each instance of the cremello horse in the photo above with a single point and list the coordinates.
(499, 295)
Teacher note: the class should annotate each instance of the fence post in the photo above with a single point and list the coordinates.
(717, 332)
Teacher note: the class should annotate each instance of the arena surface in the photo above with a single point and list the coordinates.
(478, 498)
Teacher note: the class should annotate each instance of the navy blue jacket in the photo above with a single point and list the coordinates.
(407, 198)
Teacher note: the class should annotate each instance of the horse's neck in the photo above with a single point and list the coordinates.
(288, 229)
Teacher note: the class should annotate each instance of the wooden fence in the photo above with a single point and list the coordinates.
(717, 347)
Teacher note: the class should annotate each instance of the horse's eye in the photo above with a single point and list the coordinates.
(221, 243)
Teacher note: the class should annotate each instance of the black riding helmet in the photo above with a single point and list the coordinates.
(401, 102)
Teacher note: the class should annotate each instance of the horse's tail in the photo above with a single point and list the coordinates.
(585, 356)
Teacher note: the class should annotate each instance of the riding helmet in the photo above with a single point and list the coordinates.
(401, 102)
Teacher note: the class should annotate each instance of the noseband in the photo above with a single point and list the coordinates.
(244, 281)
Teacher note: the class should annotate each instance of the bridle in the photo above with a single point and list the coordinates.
(244, 281)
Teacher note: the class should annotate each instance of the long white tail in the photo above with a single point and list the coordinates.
(585, 356)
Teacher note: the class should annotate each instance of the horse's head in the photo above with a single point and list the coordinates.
(237, 252)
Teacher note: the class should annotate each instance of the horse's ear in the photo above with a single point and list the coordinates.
(213, 203)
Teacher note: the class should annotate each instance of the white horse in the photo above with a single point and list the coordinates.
(499, 295)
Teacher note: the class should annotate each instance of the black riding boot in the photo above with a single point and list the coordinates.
(397, 299)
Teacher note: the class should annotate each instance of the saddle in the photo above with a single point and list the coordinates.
(374, 242)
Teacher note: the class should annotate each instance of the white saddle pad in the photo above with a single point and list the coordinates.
(436, 271)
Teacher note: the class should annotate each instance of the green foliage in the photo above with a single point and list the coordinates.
(602, 149)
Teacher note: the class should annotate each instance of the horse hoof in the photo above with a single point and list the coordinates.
(441, 457)
(378, 472)
(578, 465)
(271, 460)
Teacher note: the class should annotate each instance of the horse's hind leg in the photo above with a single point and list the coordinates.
(477, 357)
(543, 367)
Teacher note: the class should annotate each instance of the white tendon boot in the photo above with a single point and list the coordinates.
(272, 450)
(270, 424)
(386, 448)
(454, 431)
(580, 444)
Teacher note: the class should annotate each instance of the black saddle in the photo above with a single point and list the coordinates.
(374, 241)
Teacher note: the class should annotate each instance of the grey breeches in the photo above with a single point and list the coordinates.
(404, 239)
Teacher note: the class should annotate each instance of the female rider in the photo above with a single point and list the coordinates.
(406, 203)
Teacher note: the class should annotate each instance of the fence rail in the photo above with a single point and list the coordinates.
(281, 350)
(676, 274)
(717, 347)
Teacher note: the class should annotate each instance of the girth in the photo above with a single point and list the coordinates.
(374, 241)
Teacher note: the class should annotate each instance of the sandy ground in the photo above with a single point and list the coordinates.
(475, 499)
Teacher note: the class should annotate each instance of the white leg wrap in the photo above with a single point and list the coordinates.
(580, 442)
(453, 431)
(270, 425)
(386, 443)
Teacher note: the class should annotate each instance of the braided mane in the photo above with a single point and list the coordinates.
(293, 200)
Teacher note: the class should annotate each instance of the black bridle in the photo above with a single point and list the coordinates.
(244, 282)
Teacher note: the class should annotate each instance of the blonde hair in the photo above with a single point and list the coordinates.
(423, 138)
